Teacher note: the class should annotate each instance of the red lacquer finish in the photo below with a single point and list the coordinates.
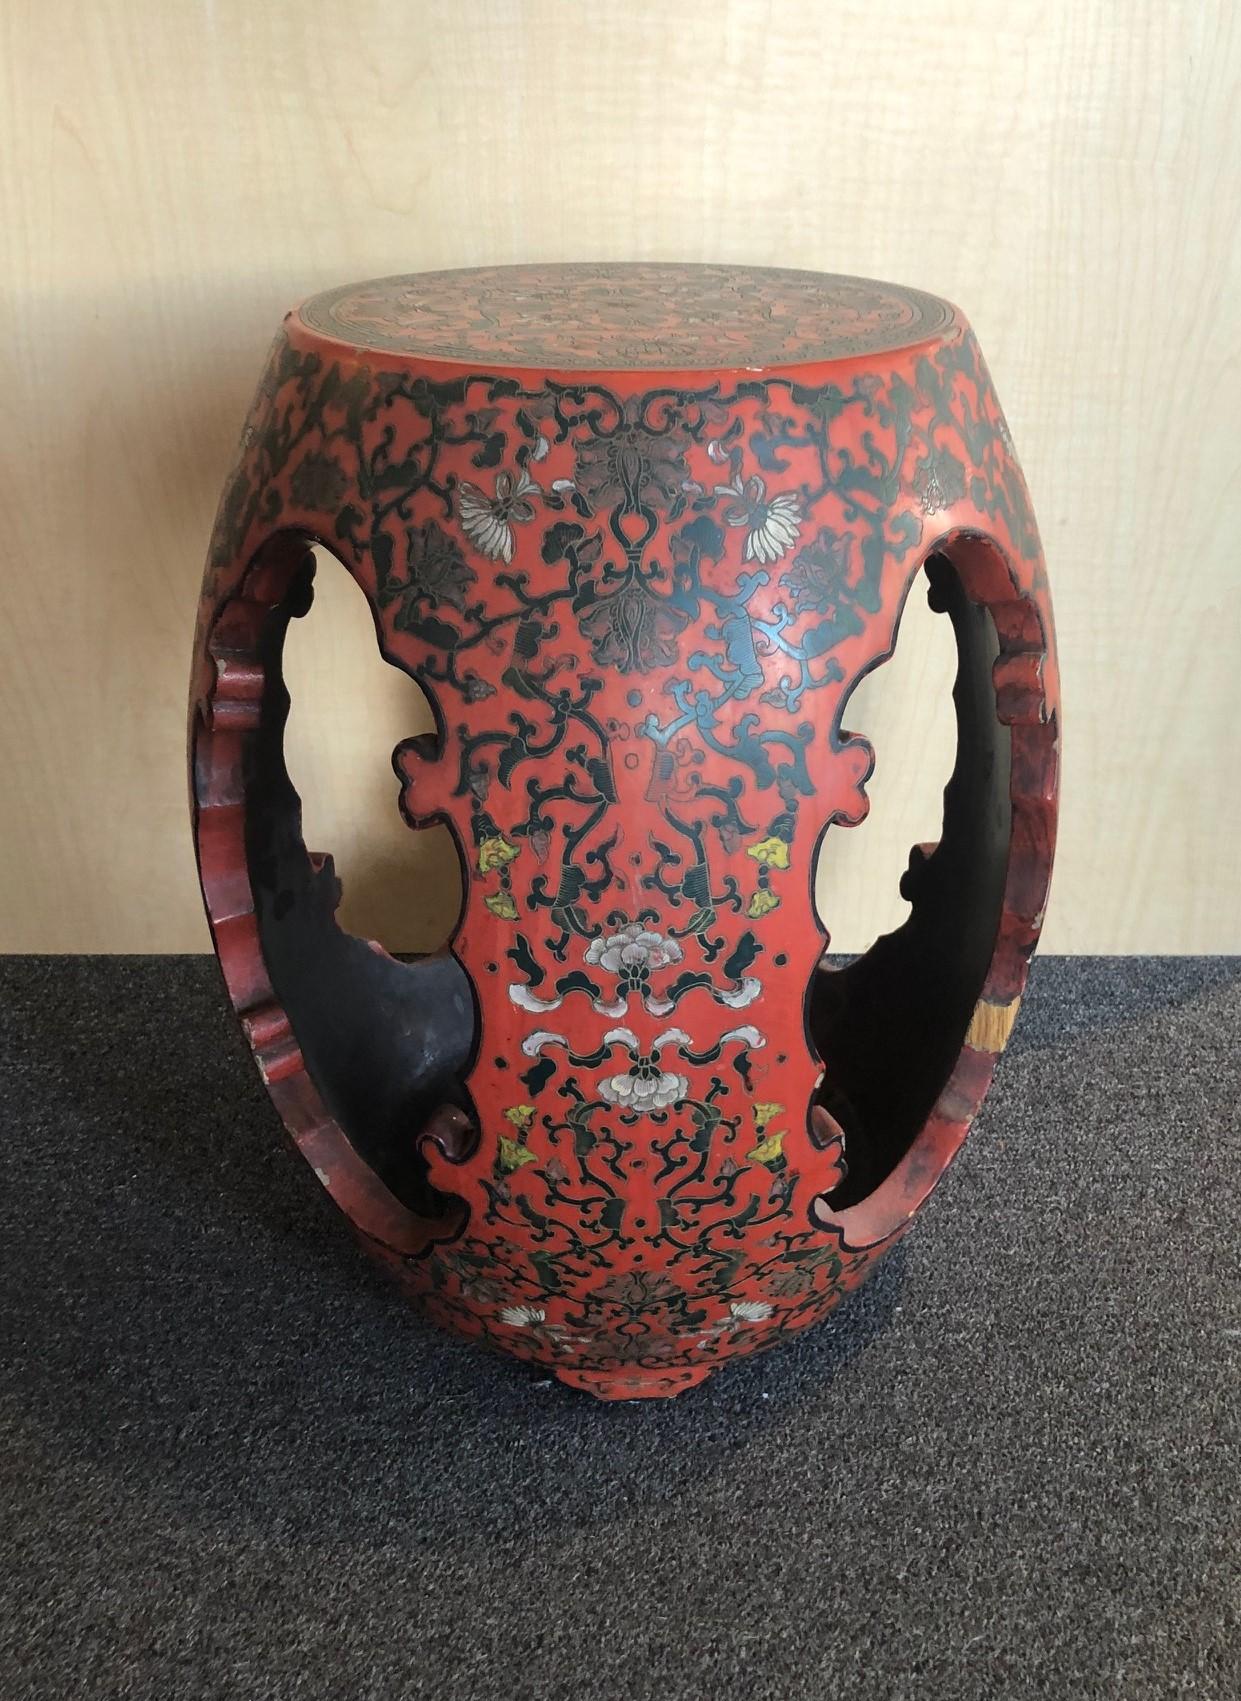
(638, 531)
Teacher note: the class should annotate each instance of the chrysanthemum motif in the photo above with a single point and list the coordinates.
(488, 520)
(522, 1316)
(644, 1088)
(751, 1310)
(773, 524)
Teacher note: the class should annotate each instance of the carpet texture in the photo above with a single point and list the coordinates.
(233, 1464)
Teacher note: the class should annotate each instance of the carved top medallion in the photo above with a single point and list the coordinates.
(629, 317)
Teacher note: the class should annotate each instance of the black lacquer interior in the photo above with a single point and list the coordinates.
(387, 1043)
(890, 1026)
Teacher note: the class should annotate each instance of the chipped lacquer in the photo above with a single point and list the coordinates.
(637, 531)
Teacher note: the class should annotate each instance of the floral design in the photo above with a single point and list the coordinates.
(637, 1291)
(475, 689)
(645, 1349)
(939, 479)
(771, 852)
(513, 1154)
(522, 1316)
(769, 1150)
(819, 574)
(488, 520)
(772, 524)
(664, 315)
(319, 482)
(770, 1147)
(633, 464)
(435, 572)
(495, 855)
(631, 955)
(644, 1087)
(495, 852)
(730, 542)
(633, 628)
(750, 1310)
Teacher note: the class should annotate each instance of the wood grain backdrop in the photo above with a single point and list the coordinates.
(173, 174)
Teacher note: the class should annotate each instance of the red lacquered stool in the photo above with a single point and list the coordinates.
(638, 531)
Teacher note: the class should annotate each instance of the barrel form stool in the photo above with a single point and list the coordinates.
(637, 531)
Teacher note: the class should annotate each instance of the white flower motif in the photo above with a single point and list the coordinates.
(634, 947)
(751, 1310)
(485, 520)
(631, 955)
(644, 1088)
(522, 1316)
(772, 525)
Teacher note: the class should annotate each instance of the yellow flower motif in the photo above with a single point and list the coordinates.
(762, 903)
(501, 904)
(768, 1150)
(520, 1115)
(495, 852)
(513, 1155)
(765, 1113)
(772, 852)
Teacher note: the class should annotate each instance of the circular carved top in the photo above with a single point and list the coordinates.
(629, 317)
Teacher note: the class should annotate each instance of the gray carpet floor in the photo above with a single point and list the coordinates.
(233, 1464)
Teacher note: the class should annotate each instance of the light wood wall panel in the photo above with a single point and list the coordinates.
(174, 172)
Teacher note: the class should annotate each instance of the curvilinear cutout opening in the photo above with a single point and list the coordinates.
(349, 708)
(890, 1025)
(903, 708)
(386, 1041)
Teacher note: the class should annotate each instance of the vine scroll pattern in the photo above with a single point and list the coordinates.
(637, 607)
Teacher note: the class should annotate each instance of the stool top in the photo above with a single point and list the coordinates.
(629, 317)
